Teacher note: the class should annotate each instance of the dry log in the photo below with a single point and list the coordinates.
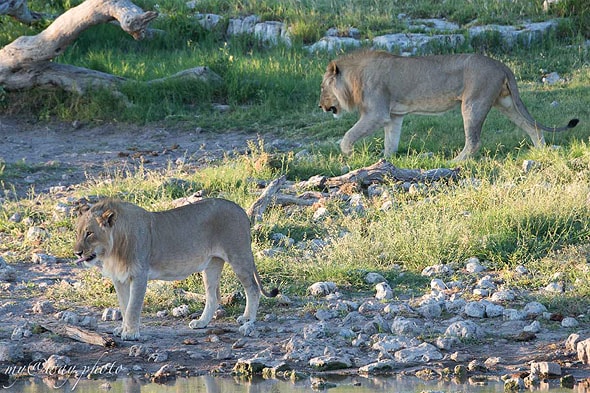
(79, 334)
(26, 62)
(380, 172)
(257, 209)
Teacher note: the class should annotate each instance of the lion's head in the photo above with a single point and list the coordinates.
(341, 87)
(94, 233)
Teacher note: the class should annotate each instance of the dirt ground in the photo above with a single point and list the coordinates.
(64, 154)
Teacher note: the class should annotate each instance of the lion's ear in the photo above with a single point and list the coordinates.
(81, 209)
(107, 218)
(333, 68)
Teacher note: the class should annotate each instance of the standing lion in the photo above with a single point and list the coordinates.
(385, 88)
(132, 245)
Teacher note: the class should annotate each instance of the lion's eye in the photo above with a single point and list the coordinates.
(88, 234)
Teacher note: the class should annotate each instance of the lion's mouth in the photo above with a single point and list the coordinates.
(333, 109)
(88, 258)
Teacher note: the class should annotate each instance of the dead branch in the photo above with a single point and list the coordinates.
(257, 209)
(279, 192)
(79, 334)
(26, 62)
(378, 173)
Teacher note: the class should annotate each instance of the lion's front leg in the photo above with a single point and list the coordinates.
(366, 125)
(131, 294)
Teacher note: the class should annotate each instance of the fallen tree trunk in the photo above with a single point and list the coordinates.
(380, 172)
(26, 62)
(280, 192)
(79, 334)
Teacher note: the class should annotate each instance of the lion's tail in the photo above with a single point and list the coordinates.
(273, 292)
(525, 113)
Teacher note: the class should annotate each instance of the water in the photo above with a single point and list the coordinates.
(210, 384)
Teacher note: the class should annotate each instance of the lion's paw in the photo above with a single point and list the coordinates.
(127, 335)
(197, 324)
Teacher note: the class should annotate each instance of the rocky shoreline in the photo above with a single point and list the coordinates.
(456, 331)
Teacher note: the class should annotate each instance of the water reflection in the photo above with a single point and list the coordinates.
(210, 384)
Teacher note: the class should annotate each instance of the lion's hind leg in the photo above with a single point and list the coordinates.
(245, 273)
(211, 277)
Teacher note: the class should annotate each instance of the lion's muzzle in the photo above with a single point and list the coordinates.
(82, 258)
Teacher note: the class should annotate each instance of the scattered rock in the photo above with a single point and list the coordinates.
(322, 288)
(329, 362)
(374, 278)
(546, 369)
(569, 322)
(180, 311)
(43, 307)
(7, 272)
(384, 291)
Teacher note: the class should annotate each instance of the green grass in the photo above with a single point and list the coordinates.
(495, 212)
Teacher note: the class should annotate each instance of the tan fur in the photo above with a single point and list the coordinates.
(384, 88)
(132, 246)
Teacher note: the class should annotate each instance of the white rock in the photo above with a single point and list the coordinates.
(320, 212)
(503, 296)
(437, 284)
(424, 352)
(521, 269)
(511, 314)
(430, 310)
(446, 343)
(333, 44)
(393, 344)
(534, 327)
(569, 322)
(474, 266)
(412, 43)
(272, 32)
(374, 278)
(552, 78)
(55, 362)
(322, 288)
(43, 307)
(248, 329)
(545, 368)
(475, 310)
(494, 310)
(36, 234)
(481, 292)
(180, 311)
(441, 269)
(455, 303)
(486, 283)
(533, 309)
(406, 327)
(554, 287)
(463, 329)
(384, 291)
(242, 26)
